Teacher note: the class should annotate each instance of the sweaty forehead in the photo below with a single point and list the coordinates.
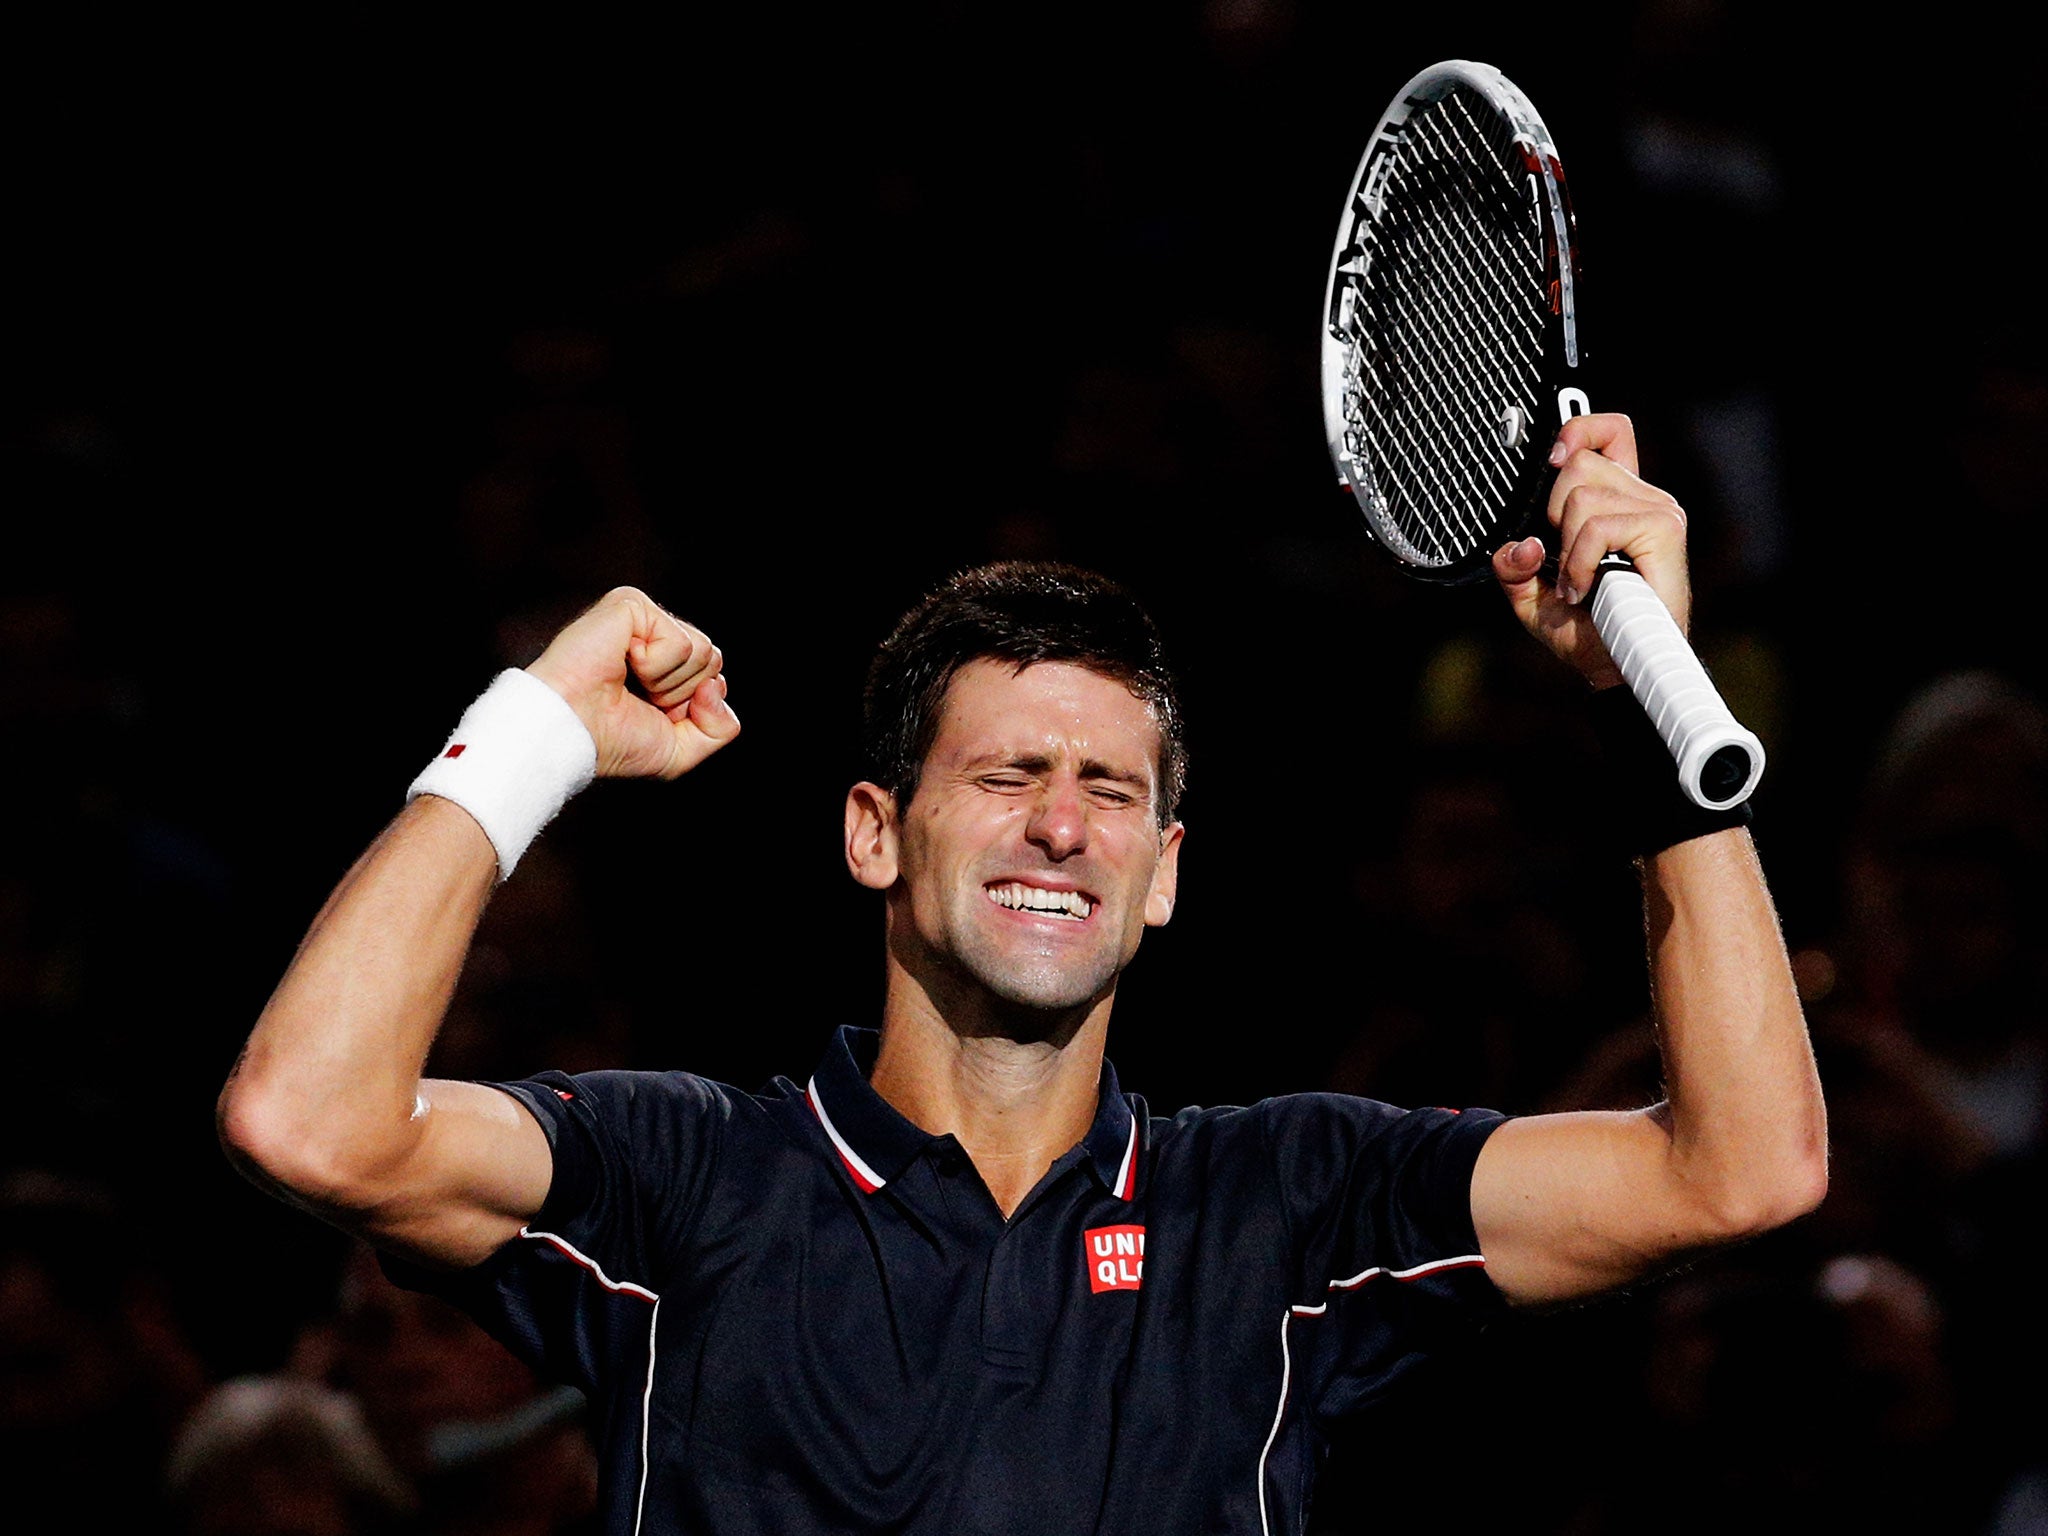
(1053, 707)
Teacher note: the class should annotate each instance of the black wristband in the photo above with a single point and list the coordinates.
(1646, 810)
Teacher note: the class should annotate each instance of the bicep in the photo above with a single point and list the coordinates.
(1569, 1205)
(478, 1170)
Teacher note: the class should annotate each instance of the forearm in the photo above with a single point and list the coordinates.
(1568, 1205)
(326, 1096)
(1745, 1117)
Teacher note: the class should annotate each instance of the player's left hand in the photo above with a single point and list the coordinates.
(1598, 505)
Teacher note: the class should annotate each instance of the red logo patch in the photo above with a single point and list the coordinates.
(456, 750)
(1115, 1257)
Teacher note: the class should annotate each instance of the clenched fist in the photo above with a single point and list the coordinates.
(679, 717)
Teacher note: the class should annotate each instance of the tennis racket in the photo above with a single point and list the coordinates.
(1450, 357)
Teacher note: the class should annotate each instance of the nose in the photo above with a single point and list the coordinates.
(1059, 820)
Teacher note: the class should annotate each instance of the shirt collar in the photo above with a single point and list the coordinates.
(876, 1143)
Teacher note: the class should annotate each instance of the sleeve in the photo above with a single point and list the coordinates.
(635, 1155)
(1377, 1195)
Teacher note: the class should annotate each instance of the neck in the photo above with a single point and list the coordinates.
(1014, 1104)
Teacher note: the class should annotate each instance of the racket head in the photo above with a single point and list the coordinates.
(1450, 340)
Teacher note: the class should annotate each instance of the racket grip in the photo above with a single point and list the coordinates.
(1719, 761)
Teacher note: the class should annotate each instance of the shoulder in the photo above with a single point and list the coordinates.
(640, 1096)
(1290, 1114)
(648, 1119)
(1313, 1144)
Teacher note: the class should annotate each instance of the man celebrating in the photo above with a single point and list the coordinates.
(959, 1281)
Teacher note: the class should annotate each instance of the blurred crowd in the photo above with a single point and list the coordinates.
(252, 584)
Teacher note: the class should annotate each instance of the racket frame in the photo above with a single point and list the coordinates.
(1560, 390)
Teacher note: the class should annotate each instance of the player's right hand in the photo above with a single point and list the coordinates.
(678, 717)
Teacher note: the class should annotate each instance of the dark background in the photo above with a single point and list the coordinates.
(343, 363)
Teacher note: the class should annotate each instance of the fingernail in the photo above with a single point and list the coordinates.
(1568, 592)
(1558, 454)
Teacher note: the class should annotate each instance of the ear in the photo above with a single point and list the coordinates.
(1165, 878)
(871, 835)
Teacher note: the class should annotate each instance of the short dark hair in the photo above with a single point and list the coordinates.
(1020, 612)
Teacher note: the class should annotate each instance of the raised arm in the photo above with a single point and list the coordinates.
(1567, 1205)
(327, 1106)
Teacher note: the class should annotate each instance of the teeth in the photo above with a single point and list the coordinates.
(1019, 897)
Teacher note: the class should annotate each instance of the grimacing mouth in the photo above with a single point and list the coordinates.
(1017, 896)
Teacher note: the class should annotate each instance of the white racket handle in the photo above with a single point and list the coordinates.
(1719, 761)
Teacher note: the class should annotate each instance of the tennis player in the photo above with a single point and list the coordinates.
(958, 1280)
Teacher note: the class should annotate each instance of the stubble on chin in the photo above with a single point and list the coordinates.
(1036, 990)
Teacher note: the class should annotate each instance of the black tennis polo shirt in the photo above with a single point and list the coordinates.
(794, 1311)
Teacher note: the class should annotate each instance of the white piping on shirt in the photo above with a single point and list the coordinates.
(625, 1287)
(1464, 1261)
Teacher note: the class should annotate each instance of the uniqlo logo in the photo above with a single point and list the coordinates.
(1116, 1258)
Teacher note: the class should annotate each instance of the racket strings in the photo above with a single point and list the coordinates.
(1518, 248)
(1496, 289)
(1449, 312)
(1467, 303)
(1444, 318)
(1425, 464)
(1455, 392)
(1406, 447)
(1492, 290)
(1398, 433)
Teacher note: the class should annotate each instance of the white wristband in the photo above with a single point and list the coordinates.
(517, 755)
